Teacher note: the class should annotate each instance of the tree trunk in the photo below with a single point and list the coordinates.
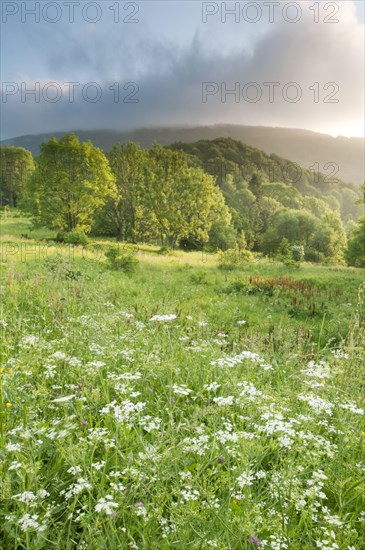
(119, 233)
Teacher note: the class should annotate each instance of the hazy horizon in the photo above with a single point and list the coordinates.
(179, 127)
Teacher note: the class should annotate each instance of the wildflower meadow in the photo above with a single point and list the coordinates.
(179, 406)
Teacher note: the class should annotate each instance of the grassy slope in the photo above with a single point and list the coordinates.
(251, 474)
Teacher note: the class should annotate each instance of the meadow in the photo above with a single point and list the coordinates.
(180, 406)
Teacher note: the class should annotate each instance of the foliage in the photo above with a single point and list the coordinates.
(180, 198)
(122, 259)
(297, 252)
(255, 185)
(355, 253)
(62, 268)
(234, 258)
(16, 165)
(72, 237)
(189, 195)
(71, 182)
(228, 158)
(124, 211)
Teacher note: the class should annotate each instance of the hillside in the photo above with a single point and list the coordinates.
(228, 158)
(301, 146)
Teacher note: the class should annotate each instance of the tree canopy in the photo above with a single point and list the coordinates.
(72, 180)
(222, 192)
(16, 165)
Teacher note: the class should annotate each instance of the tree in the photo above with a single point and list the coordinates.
(16, 165)
(241, 205)
(255, 185)
(179, 197)
(296, 225)
(71, 182)
(124, 209)
(355, 253)
(221, 233)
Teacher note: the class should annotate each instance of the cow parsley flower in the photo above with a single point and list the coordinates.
(107, 505)
(163, 318)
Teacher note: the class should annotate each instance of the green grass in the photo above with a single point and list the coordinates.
(194, 444)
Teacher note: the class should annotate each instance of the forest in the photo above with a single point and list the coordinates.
(216, 195)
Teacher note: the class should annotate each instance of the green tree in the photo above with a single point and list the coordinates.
(71, 182)
(124, 209)
(16, 165)
(255, 185)
(296, 225)
(355, 253)
(221, 234)
(179, 197)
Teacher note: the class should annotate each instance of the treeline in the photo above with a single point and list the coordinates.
(219, 193)
(232, 161)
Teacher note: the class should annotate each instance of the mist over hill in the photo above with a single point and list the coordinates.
(301, 146)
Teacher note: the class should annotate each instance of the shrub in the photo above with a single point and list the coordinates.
(233, 259)
(122, 259)
(297, 252)
(62, 268)
(166, 251)
(313, 255)
(355, 253)
(72, 237)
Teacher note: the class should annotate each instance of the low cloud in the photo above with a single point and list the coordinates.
(304, 75)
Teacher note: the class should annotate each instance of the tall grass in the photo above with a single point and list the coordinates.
(180, 406)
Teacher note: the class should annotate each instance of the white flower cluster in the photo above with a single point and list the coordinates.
(107, 505)
(76, 488)
(212, 387)
(317, 370)
(167, 527)
(249, 392)
(64, 399)
(224, 401)
(246, 478)
(12, 447)
(235, 360)
(125, 412)
(352, 408)
(150, 423)
(315, 486)
(29, 340)
(181, 390)
(318, 404)
(276, 425)
(124, 376)
(163, 318)
(339, 354)
(196, 445)
(189, 494)
(31, 522)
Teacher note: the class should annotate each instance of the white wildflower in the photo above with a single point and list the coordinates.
(224, 401)
(163, 318)
(182, 389)
(106, 505)
(13, 447)
(212, 387)
(64, 399)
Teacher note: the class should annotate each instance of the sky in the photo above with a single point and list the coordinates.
(76, 64)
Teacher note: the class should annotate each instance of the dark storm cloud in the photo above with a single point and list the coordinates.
(318, 63)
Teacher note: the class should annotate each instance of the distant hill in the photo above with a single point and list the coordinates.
(224, 157)
(301, 146)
